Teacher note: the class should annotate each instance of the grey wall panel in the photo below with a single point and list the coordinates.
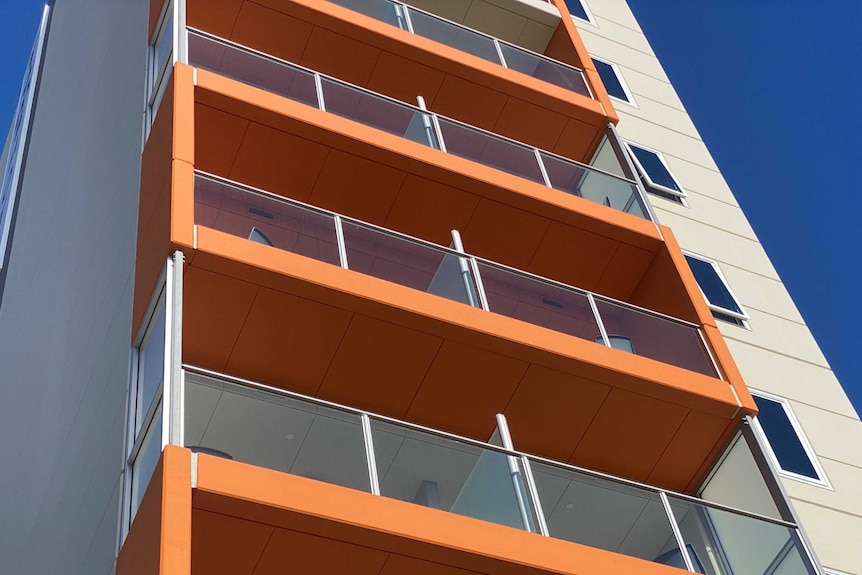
(66, 311)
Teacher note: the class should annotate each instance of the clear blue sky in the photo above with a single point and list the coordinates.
(772, 87)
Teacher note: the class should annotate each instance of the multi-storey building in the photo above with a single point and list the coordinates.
(371, 286)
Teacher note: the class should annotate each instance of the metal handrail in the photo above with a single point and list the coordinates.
(416, 109)
(480, 444)
(289, 201)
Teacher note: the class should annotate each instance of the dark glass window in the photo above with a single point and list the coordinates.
(655, 169)
(713, 287)
(611, 80)
(783, 439)
(576, 8)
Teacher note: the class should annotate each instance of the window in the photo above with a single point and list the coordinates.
(655, 173)
(613, 81)
(788, 446)
(719, 298)
(580, 10)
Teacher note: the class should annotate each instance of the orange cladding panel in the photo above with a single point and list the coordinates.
(218, 137)
(534, 125)
(465, 386)
(305, 553)
(288, 339)
(349, 184)
(463, 99)
(578, 140)
(345, 58)
(215, 16)
(274, 161)
(140, 553)
(573, 256)
(550, 403)
(271, 32)
(225, 544)
(503, 233)
(404, 79)
(379, 366)
(623, 272)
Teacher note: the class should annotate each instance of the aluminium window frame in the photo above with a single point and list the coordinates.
(649, 184)
(743, 318)
(823, 480)
(590, 18)
(630, 101)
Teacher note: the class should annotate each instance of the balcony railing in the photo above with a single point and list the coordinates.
(269, 427)
(325, 236)
(472, 41)
(413, 123)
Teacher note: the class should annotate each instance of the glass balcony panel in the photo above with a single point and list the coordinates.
(266, 220)
(377, 112)
(147, 459)
(655, 337)
(276, 432)
(491, 151)
(383, 10)
(449, 34)
(547, 305)
(253, 69)
(544, 69)
(408, 263)
(594, 186)
(451, 476)
(723, 543)
(603, 514)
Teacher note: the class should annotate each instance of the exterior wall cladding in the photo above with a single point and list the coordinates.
(256, 344)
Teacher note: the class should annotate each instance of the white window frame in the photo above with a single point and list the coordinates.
(630, 101)
(742, 317)
(823, 480)
(590, 20)
(648, 181)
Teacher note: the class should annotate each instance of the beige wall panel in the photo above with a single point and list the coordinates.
(760, 293)
(846, 497)
(622, 34)
(647, 86)
(654, 134)
(832, 436)
(835, 536)
(650, 110)
(788, 377)
(720, 245)
(783, 336)
(608, 49)
(697, 179)
(709, 211)
(614, 10)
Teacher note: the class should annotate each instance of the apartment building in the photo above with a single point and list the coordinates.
(371, 286)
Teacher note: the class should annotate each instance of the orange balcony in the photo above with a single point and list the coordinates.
(546, 94)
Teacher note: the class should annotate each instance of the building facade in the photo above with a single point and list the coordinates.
(372, 286)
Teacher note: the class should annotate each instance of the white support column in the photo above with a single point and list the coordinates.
(173, 395)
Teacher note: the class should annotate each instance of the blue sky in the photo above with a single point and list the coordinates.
(771, 85)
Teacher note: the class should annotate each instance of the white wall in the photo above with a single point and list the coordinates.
(66, 309)
(779, 354)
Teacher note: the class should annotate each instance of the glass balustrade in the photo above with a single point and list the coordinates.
(291, 226)
(276, 429)
(413, 123)
(472, 42)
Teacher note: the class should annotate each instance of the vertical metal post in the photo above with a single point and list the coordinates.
(426, 122)
(441, 143)
(515, 475)
(176, 413)
(180, 32)
(407, 19)
(464, 265)
(369, 454)
(542, 168)
(599, 321)
(318, 86)
(168, 365)
(534, 495)
(339, 239)
(710, 354)
(500, 53)
(676, 531)
(480, 287)
(757, 446)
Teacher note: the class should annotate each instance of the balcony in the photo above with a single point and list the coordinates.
(479, 44)
(455, 275)
(318, 485)
(414, 123)
(477, 78)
